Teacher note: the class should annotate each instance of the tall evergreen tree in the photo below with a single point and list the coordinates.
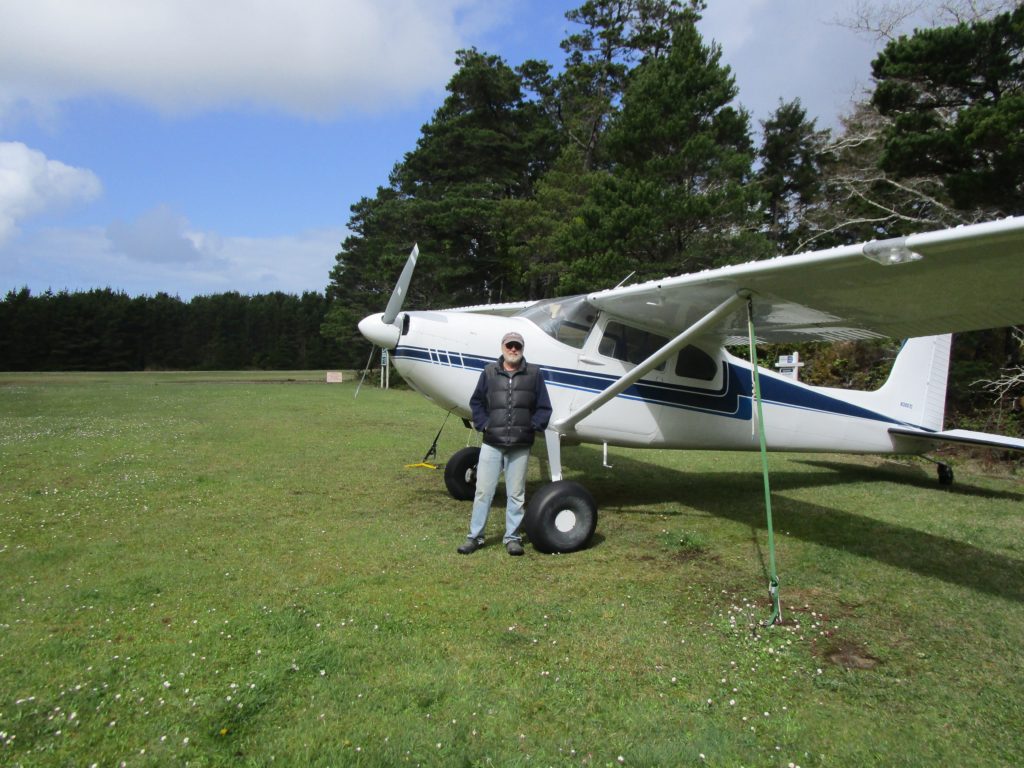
(485, 145)
(545, 229)
(790, 173)
(678, 196)
(615, 36)
(550, 235)
(956, 99)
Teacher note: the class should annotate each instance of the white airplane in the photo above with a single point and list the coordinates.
(646, 365)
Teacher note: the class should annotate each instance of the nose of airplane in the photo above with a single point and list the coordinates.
(376, 331)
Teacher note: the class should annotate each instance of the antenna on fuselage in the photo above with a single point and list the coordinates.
(626, 279)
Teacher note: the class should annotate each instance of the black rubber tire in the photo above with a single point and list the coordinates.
(945, 474)
(460, 473)
(561, 517)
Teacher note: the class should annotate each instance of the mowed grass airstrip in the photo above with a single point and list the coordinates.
(239, 569)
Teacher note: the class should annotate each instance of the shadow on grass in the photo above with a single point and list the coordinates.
(907, 475)
(738, 496)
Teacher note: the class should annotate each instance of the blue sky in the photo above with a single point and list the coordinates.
(196, 147)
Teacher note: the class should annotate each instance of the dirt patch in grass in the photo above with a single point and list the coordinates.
(686, 555)
(851, 656)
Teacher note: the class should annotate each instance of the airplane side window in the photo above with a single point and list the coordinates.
(612, 344)
(694, 363)
(631, 345)
(573, 334)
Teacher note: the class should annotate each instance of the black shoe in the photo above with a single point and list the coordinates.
(514, 548)
(471, 546)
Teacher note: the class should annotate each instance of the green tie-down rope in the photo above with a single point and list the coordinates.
(773, 583)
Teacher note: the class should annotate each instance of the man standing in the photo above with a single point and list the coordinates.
(509, 405)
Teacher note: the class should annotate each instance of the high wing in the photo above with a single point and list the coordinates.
(503, 310)
(961, 279)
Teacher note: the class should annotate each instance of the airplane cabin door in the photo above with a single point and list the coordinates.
(611, 351)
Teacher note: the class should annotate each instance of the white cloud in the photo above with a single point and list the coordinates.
(733, 24)
(315, 58)
(157, 235)
(77, 260)
(807, 49)
(292, 263)
(31, 184)
(790, 49)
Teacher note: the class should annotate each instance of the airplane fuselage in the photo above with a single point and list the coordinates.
(441, 354)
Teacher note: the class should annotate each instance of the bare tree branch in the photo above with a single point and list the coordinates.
(1012, 379)
(885, 20)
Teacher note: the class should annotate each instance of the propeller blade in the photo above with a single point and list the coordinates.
(398, 295)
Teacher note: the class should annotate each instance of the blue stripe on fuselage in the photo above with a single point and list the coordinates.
(733, 400)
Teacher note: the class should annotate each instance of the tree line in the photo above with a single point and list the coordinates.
(107, 330)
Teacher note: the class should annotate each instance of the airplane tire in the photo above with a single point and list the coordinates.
(945, 474)
(460, 473)
(561, 517)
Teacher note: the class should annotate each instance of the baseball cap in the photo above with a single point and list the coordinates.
(512, 336)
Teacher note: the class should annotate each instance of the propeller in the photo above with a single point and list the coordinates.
(398, 295)
(381, 330)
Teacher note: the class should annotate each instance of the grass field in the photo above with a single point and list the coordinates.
(239, 569)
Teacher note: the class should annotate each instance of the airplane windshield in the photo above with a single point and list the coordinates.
(567, 319)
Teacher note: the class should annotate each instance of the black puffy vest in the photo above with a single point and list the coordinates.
(511, 399)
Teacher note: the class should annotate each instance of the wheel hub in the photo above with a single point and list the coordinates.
(565, 520)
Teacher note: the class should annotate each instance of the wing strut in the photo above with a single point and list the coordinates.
(554, 432)
(773, 578)
(569, 422)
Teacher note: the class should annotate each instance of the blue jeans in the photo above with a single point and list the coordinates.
(491, 463)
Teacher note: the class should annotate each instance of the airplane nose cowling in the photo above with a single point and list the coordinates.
(376, 331)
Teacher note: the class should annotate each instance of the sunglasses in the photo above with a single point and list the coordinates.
(514, 345)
